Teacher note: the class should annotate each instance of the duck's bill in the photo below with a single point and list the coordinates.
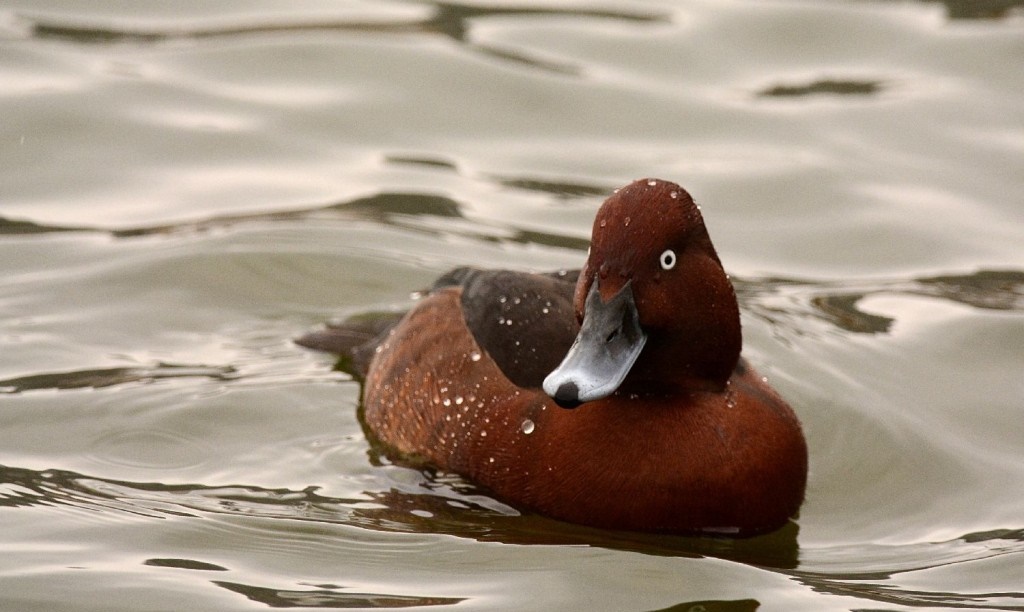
(609, 342)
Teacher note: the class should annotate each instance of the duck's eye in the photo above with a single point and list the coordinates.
(668, 259)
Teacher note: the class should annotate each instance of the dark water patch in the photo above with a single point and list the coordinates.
(562, 190)
(549, 239)
(384, 206)
(986, 289)
(189, 564)
(836, 87)
(210, 224)
(108, 377)
(18, 227)
(1010, 535)
(422, 160)
(979, 9)
(333, 597)
(714, 605)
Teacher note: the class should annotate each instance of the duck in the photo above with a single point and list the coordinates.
(614, 396)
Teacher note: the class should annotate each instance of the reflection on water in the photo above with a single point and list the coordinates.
(449, 20)
(787, 304)
(435, 503)
(402, 210)
(158, 426)
(444, 505)
(880, 584)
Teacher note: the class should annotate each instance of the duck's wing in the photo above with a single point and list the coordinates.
(524, 321)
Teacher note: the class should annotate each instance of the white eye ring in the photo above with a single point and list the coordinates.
(668, 259)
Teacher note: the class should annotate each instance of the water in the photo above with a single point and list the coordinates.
(184, 188)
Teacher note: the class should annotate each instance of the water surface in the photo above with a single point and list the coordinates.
(185, 188)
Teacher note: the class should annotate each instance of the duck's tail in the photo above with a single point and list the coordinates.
(354, 340)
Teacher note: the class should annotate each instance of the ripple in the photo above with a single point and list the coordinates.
(883, 573)
(449, 20)
(107, 377)
(790, 304)
(147, 448)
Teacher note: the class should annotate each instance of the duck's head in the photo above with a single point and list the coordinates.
(656, 309)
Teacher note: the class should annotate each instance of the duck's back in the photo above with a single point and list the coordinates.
(460, 365)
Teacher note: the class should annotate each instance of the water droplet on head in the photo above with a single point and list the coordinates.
(652, 183)
(673, 194)
(474, 356)
(603, 223)
(527, 427)
(447, 402)
(626, 221)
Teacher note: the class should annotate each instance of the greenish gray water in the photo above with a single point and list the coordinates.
(185, 188)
